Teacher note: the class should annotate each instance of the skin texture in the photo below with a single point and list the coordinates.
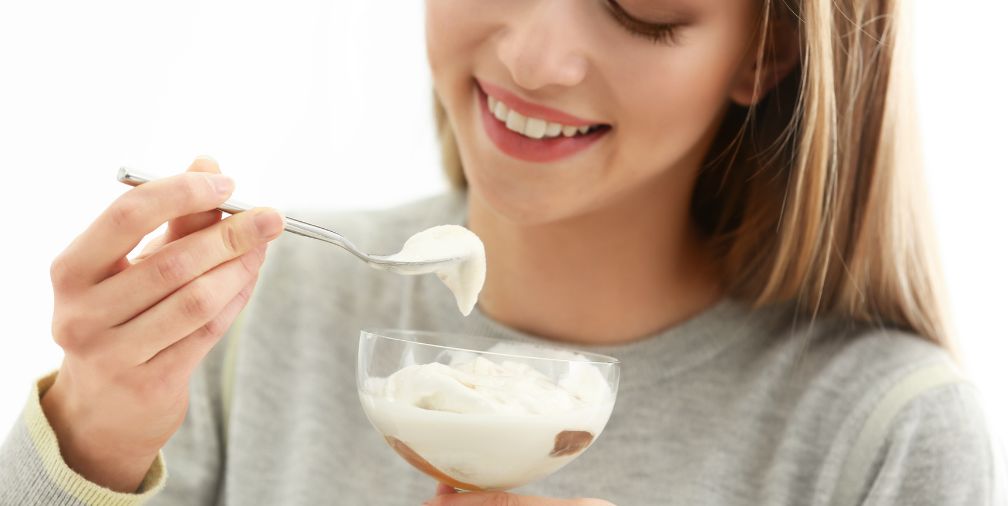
(597, 248)
(132, 331)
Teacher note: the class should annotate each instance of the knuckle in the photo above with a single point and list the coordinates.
(72, 330)
(193, 188)
(250, 263)
(60, 271)
(214, 328)
(68, 335)
(198, 301)
(231, 237)
(171, 269)
(243, 296)
(126, 211)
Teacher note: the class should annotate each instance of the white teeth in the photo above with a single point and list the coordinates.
(534, 128)
(516, 122)
(501, 111)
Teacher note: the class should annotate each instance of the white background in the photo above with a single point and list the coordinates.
(325, 104)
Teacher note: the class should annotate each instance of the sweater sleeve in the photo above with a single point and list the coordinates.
(938, 451)
(32, 471)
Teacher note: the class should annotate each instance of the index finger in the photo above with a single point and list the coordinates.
(185, 225)
(94, 254)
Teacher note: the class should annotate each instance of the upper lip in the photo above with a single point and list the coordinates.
(532, 110)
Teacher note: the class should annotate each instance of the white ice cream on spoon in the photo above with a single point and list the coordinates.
(464, 278)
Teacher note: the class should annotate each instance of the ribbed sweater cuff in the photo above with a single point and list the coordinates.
(59, 474)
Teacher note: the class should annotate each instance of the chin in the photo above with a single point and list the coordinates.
(529, 204)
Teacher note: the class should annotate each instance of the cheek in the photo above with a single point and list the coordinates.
(677, 104)
(454, 30)
(440, 42)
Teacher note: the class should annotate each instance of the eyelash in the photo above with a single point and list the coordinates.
(666, 33)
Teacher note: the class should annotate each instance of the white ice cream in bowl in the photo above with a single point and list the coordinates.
(478, 413)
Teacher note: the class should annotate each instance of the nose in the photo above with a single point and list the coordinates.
(542, 46)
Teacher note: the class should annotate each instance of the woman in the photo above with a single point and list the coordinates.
(715, 192)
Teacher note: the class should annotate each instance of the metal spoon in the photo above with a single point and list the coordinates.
(135, 177)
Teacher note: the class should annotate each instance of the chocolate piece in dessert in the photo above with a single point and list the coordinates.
(570, 442)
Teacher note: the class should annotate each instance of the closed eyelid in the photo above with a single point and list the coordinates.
(657, 33)
(649, 14)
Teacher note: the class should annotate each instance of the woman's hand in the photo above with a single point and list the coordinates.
(132, 332)
(446, 496)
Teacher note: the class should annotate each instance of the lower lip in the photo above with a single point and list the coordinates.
(528, 149)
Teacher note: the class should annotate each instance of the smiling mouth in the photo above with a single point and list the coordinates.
(536, 128)
(538, 134)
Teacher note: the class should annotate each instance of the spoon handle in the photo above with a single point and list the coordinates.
(134, 177)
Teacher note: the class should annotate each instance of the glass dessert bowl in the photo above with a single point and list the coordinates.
(477, 413)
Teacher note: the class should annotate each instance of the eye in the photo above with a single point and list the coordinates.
(659, 33)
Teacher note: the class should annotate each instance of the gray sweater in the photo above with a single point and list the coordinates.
(735, 406)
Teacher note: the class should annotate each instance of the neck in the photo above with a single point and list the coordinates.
(611, 276)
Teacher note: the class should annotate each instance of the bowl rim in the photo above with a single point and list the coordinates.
(593, 358)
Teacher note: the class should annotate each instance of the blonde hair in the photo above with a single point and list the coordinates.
(814, 195)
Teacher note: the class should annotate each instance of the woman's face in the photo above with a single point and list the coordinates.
(653, 107)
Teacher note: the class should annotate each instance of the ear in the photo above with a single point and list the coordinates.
(779, 58)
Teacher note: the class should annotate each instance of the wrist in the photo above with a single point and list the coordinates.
(92, 450)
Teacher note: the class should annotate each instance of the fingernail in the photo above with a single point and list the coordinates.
(207, 158)
(222, 184)
(269, 223)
